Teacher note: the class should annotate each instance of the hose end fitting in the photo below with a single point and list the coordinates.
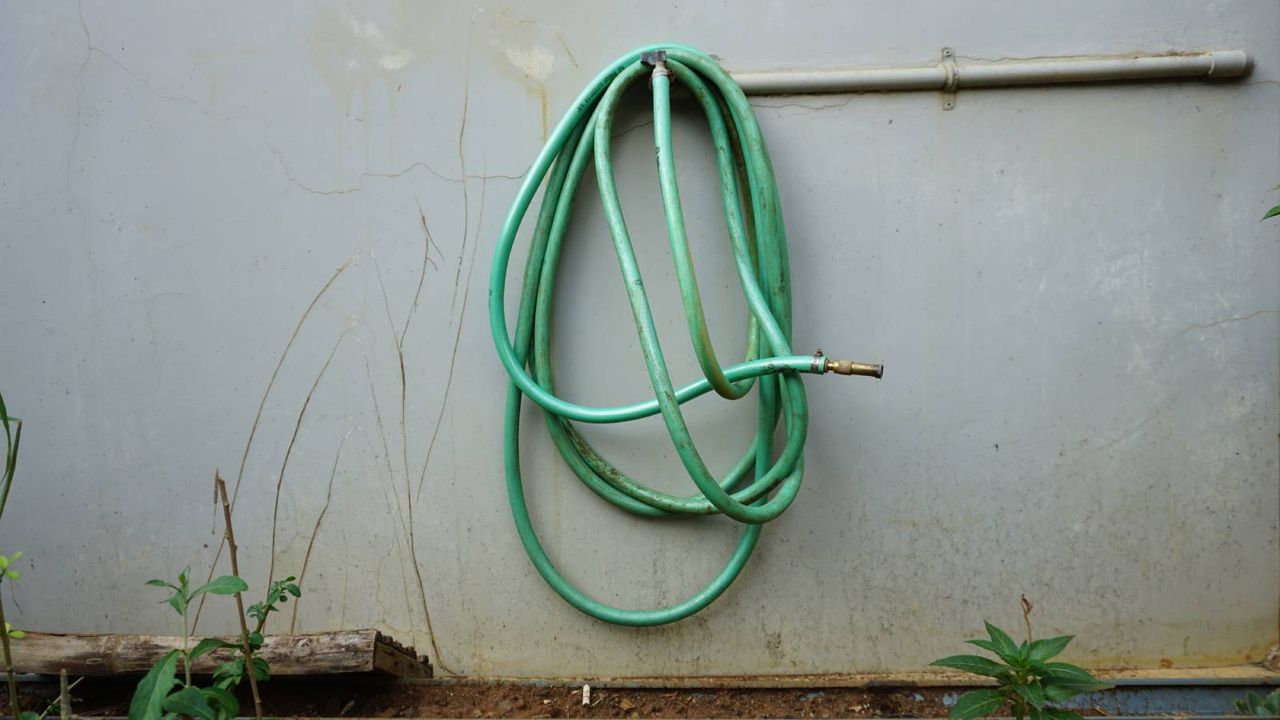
(656, 59)
(849, 367)
(653, 57)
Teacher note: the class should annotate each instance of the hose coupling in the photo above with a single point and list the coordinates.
(849, 367)
(653, 57)
(658, 60)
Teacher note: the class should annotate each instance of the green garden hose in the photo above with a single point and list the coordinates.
(760, 486)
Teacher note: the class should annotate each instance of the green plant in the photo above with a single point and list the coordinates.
(12, 438)
(155, 697)
(230, 673)
(1028, 684)
(277, 595)
(1253, 704)
(1270, 214)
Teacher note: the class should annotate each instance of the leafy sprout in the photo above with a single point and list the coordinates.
(12, 439)
(155, 697)
(1254, 704)
(231, 673)
(1028, 683)
(12, 427)
(161, 695)
(278, 594)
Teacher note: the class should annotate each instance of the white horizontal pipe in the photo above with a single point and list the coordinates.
(1214, 64)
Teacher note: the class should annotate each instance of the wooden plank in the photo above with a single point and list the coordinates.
(392, 658)
(331, 653)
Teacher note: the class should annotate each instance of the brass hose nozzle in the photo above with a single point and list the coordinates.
(849, 367)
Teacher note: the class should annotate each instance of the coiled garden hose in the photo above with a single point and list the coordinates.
(760, 486)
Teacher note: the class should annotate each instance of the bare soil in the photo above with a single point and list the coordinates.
(439, 699)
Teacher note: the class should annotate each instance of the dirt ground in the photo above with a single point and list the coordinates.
(371, 698)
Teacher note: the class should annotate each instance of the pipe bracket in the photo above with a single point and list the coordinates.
(951, 78)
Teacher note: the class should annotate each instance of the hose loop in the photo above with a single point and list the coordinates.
(762, 483)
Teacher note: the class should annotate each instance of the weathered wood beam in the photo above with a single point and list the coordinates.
(333, 653)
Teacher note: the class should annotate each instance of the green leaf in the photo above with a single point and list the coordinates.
(975, 664)
(1023, 655)
(1249, 703)
(255, 640)
(161, 583)
(985, 645)
(28, 715)
(261, 669)
(178, 603)
(1002, 644)
(1060, 693)
(152, 689)
(976, 704)
(1042, 650)
(1067, 675)
(294, 590)
(225, 585)
(229, 674)
(208, 645)
(189, 701)
(1271, 213)
(1032, 692)
(1053, 713)
(223, 702)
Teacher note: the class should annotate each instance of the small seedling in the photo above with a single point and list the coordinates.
(276, 596)
(1029, 685)
(155, 697)
(7, 632)
(12, 438)
(230, 673)
(1254, 704)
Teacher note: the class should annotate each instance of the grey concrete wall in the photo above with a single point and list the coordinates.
(1070, 287)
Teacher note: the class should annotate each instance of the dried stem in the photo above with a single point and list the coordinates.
(8, 664)
(235, 570)
(6, 477)
(1027, 607)
(64, 696)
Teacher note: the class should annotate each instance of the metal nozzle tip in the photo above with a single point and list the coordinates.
(849, 367)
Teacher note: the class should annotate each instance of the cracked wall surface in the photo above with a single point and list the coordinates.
(256, 238)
